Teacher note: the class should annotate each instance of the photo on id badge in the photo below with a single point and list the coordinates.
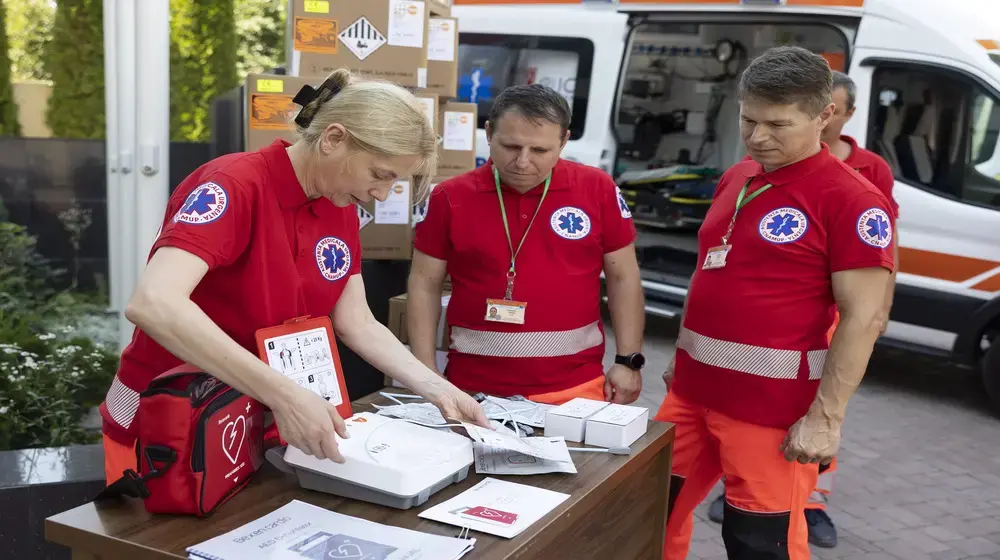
(716, 257)
(487, 514)
(323, 545)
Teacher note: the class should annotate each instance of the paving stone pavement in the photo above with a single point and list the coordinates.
(919, 470)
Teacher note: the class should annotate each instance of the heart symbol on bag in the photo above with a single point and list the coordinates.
(232, 438)
(346, 551)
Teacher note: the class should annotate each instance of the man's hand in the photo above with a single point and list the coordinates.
(813, 439)
(668, 374)
(622, 385)
(456, 405)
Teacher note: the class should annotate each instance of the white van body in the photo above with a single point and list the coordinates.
(917, 64)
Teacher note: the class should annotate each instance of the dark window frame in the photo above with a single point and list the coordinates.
(582, 47)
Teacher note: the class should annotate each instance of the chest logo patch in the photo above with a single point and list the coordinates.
(874, 228)
(783, 225)
(623, 205)
(570, 223)
(333, 257)
(205, 204)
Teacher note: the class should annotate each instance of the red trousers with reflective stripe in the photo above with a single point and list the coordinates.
(765, 494)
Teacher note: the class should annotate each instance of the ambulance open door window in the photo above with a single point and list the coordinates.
(488, 63)
(938, 130)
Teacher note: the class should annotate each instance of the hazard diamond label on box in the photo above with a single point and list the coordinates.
(364, 217)
(361, 38)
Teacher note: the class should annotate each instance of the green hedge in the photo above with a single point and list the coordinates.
(9, 125)
(75, 60)
(202, 64)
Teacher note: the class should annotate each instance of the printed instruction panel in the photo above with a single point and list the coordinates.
(307, 359)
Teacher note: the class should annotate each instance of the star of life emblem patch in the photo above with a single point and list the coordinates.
(333, 257)
(206, 203)
(783, 225)
(874, 228)
(570, 223)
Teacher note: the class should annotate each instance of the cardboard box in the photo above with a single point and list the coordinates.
(269, 109)
(569, 419)
(386, 233)
(383, 39)
(457, 131)
(442, 57)
(440, 8)
(617, 425)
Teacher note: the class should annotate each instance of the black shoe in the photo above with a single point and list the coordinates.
(822, 533)
(715, 510)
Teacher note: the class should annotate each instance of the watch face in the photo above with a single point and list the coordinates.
(638, 360)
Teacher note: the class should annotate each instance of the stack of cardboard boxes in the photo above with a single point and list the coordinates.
(413, 43)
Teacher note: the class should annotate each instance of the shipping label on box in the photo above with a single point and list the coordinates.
(385, 232)
(442, 57)
(383, 39)
(270, 110)
(457, 132)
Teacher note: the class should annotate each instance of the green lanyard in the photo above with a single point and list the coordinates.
(740, 203)
(506, 227)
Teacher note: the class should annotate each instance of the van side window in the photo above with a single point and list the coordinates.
(938, 130)
(488, 63)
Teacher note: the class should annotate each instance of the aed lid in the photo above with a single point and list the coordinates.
(390, 455)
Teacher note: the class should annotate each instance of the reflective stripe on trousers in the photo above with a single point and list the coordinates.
(747, 358)
(537, 344)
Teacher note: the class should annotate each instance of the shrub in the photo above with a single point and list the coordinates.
(9, 125)
(75, 60)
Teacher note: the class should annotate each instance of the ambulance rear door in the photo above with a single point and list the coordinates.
(575, 49)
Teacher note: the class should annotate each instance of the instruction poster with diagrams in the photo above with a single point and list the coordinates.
(299, 530)
(307, 359)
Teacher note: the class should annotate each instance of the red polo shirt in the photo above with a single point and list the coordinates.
(753, 343)
(561, 343)
(871, 166)
(272, 255)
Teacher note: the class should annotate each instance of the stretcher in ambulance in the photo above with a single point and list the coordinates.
(652, 86)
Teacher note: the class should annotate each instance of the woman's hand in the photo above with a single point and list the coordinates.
(454, 404)
(309, 422)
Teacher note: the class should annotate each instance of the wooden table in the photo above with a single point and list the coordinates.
(617, 509)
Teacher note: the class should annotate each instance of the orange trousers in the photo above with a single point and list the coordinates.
(593, 390)
(765, 494)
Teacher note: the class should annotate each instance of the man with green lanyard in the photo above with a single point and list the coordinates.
(525, 238)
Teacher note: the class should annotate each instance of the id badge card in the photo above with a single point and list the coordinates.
(504, 311)
(716, 257)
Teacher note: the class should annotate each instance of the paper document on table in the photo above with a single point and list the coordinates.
(498, 460)
(533, 446)
(421, 413)
(522, 412)
(299, 530)
(497, 507)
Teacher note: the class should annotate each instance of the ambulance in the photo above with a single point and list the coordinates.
(652, 86)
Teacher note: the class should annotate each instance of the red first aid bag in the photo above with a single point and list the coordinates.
(199, 443)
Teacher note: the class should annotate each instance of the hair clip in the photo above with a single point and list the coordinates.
(308, 94)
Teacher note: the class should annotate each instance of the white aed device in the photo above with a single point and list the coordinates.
(387, 461)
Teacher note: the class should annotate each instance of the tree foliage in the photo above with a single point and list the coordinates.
(75, 61)
(29, 29)
(202, 64)
(9, 125)
(260, 29)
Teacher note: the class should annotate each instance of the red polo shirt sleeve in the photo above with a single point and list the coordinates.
(354, 224)
(212, 220)
(616, 218)
(860, 234)
(883, 179)
(430, 237)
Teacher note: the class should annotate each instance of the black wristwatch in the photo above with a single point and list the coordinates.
(633, 361)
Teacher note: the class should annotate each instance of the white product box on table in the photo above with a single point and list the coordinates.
(617, 425)
(569, 419)
(387, 461)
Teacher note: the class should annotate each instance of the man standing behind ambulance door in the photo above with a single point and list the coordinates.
(528, 234)
(756, 392)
